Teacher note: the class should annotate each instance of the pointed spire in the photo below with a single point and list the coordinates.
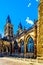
(20, 25)
(8, 19)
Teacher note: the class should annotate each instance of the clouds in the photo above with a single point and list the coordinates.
(29, 4)
(29, 21)
(37, 0)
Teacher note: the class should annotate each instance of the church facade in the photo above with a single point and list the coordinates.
(27, 42)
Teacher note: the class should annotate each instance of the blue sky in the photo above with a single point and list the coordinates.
(18, 10)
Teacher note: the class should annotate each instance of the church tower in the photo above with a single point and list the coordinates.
(8, 29)
(20, 30)
(40, 30)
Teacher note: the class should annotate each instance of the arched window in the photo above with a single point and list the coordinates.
(22, 46)
(30, 45)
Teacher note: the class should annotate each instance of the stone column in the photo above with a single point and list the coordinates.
(35, 41)
(25, 46)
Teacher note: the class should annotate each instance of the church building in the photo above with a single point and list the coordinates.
(27, 42)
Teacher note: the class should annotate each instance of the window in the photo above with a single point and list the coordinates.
(30, 45)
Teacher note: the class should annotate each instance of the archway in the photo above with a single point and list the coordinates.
(30, 47)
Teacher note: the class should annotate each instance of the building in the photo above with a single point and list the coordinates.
(27, 42)
(40, 30)
(8, 29)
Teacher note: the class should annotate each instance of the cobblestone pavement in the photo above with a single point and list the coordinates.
(18, 61)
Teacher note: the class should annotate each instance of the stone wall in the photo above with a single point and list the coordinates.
(40, 30)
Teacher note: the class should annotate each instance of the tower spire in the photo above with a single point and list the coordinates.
(20, 26)
(8, 19)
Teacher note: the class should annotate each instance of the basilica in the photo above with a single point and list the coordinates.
(26, 42)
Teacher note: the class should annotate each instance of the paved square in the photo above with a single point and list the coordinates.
(18, 61)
